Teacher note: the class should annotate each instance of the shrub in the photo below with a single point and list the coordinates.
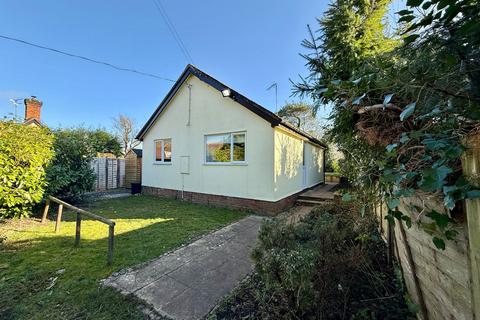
(331, 265)
(70, 175)
(25, 151)
(103, 141)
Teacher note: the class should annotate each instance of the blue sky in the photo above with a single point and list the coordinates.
(246, 44)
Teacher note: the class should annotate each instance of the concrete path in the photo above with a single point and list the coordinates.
(108, 194)
(317, 195)
(323, 191)
(187, 283)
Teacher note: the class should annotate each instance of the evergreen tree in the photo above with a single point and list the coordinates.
(351, 32)
(400, 113)
(301, 115)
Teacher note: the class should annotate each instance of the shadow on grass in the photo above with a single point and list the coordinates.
(36, 258)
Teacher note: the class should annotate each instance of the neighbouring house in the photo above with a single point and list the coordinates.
(207, 143)
(133, 167)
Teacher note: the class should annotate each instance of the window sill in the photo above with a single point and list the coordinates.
(225, 164)
(162, 163)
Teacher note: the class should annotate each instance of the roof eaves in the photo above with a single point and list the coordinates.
(304, 134)
(262, 112)
(164, 103)
(33, 120)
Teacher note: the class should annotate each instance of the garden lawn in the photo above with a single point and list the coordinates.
(33, 256)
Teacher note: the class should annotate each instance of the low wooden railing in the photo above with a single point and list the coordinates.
(80, 212)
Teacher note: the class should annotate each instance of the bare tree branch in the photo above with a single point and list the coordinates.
(125, 129)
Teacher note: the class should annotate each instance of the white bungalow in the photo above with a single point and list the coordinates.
(207, 143)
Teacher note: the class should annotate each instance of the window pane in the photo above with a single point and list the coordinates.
(158, 150)
(167, 150)
(239, 147)
(218, 148)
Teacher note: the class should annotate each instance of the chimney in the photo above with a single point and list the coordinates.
(32, 108)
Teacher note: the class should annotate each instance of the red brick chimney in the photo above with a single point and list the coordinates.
(32, 108)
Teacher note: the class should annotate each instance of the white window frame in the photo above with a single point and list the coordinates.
(155, 161)
(244, 162)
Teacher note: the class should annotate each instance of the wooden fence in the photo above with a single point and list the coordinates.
(110, 173)
(471, 168)
(80, 212)
(444, 283)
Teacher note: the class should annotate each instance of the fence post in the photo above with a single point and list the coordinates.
(471, 169)
(77, 229)
(111, 231)
(45, 211)
(59, 218)
(106, 174)
(118, 173)
(97, 173)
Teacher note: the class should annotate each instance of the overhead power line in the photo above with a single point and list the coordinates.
(86, 59)
(173, 30)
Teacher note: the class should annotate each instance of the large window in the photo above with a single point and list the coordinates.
(224, 148)
(163, 150)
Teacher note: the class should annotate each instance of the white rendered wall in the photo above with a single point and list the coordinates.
(210, 113)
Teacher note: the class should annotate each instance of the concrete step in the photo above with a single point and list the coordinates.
(313, 198)
(316, 197)
(309, 203)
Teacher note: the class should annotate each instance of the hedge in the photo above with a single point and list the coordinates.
(25, 152)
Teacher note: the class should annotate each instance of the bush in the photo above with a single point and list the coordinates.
(331, 265)
(25, 151)
(103, 141)
(70, 175)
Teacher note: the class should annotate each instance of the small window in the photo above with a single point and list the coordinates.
(163, 150)
(238, 147)
(224, 148)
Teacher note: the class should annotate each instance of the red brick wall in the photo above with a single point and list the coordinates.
(257, 206)
(32, 109)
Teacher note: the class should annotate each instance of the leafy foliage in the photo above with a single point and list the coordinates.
(103, 141)
(400, 113)
(25, 151)
(70, 174)
(301, 115)
(329, 266)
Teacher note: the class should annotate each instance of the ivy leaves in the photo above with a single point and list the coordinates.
(439, 228)
(433, 178)
(441, 152)
(387, 99)
(459, 191)
(400, 114)
(408, 111)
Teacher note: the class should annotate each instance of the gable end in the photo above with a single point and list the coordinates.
(266, 114)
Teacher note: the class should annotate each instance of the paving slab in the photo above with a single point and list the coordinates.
(188, 282)
(321, 192)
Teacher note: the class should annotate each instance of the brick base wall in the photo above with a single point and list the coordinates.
(257, 206)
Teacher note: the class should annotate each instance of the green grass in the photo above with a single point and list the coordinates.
(146, 227)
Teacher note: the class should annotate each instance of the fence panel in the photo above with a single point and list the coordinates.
(110, 173)
(471, 168)
(446, 282)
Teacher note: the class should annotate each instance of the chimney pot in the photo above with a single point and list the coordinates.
(32, 108)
